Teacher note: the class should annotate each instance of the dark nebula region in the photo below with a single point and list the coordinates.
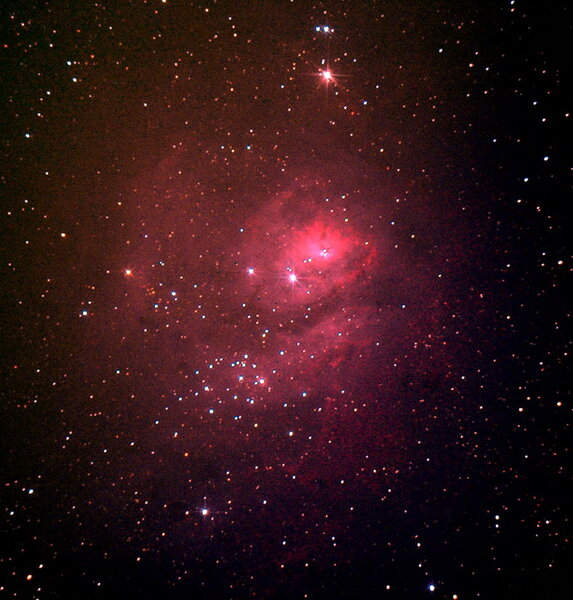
(284, 300)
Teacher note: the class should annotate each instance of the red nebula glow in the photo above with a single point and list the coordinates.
(326, 255)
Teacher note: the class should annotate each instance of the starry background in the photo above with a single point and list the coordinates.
(283, 299)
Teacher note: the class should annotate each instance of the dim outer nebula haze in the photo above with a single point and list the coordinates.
(283, 300)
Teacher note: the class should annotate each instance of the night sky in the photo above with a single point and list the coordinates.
(284, 300)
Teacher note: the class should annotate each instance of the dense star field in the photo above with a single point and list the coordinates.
(284, 305)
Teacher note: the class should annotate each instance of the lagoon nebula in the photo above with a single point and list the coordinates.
(283, 300)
